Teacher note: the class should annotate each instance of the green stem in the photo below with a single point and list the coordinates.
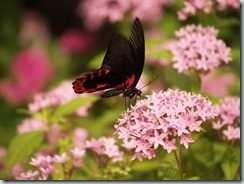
(179, 162)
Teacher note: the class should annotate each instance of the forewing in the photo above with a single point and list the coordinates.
(138, 44)
(119, 57)
(96, 80)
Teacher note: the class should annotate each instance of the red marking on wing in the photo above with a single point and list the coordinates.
(81, 85)
(128, 83)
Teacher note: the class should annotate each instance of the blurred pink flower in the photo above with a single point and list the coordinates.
(32, 69)
(30, 124)
(198, 47)
(150, 11)
(3, 151)
(97, 12)
(228, 121)
(224, 4)
(55, 134)
(76, 41)
(62, 158)
(34, 28)
(105, 146)
(17, 169)
(29, 175)
(78, 154)
(161, 119)
(60, 95)
(216, 86)
(44, 165)
(191, 7)
(79, 137)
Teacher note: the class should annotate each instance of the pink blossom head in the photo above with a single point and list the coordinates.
(74, 41)
(61, 94)
(105, 146)
(30, 124)
(96, 12)
(216, 85)
(79, 137)
(161, 119)
(34, 28)
(228, 120)
(32, 69)
(198, 47)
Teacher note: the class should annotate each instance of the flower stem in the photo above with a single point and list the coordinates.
(179, 162)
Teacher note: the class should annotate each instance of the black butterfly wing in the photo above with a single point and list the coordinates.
(138, 44)
(112, 73)
(96, 80)
(122, 65)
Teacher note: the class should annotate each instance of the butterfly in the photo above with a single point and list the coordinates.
(121, 68)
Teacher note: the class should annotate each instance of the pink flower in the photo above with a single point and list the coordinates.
(105, 146)
(3, 151)
(161, 119)
(55, 134)
(78, 154)
(61, 159)
(29, 175)
(34, 29)
(216, 85)
(97, 12)
(224, 4)
(198, 47)
(192, 6)
(79, 137)
(32, 69)
(229, 118)
(75, 41)
(30, 124)
(60, 95)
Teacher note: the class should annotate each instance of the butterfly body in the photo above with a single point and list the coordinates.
(121, 68)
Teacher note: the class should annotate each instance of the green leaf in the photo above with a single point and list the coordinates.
(73, 105)
(170, 173)
(22, 147)
(145, 166)
(231, 163)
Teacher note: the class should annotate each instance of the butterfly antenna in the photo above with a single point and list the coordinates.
(149, 82)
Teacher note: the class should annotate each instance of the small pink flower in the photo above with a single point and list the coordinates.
(78, 154)
(228, 121)
(3, 151)
(30, 175)
(105, 146)
(170, 145)
(61, 159)
(60, 95)
(161, 119)
(32, 69)
(198, 47)
(216, 85)
(79, 137)
(75, 41)
(30, 124)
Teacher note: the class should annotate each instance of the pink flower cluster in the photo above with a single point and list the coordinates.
(60, 95)
(105, 146)
(198, 47)
(96, 12)
(229, 118)
(45, 165)
(161, 120)
(75, 41)
(192, 6)
(216, 85)
(32, 69)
